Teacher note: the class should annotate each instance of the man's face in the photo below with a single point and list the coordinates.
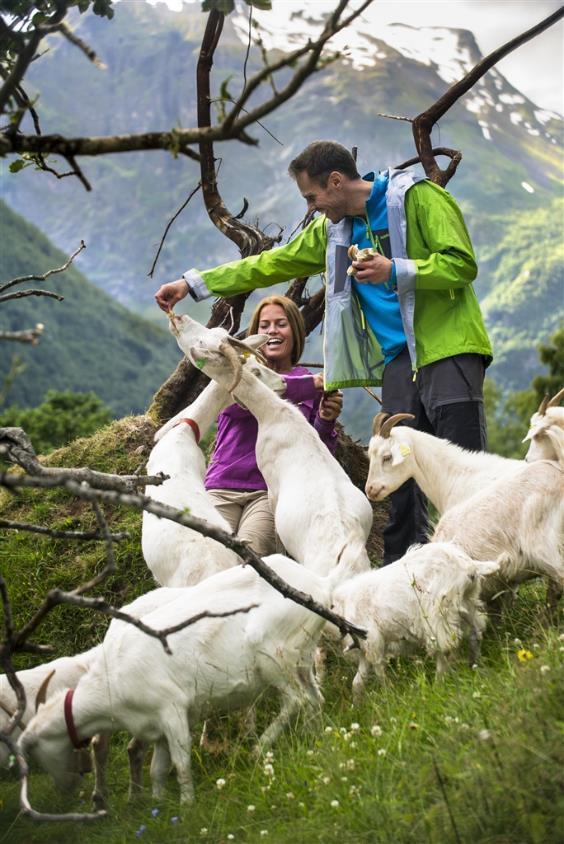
(328, 200)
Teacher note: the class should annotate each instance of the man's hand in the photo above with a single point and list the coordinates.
(375, 270)
(331, 405)
(169, 294)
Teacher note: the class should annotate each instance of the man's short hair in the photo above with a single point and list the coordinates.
(321, 158)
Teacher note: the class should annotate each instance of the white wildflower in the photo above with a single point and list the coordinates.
(220, 783)
(544, 669)
(485, 735)
(376, 731)
(251, 808)
(382, 752)
(328, 730)
(355, 727)
(334, 804)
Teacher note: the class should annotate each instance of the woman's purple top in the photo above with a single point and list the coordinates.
(234, 464)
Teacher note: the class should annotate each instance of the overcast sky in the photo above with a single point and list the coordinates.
(536, 68)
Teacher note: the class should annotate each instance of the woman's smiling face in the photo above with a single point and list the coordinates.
(278, 350)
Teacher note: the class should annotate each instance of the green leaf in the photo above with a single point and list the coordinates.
(263, 5)
(224, 6)
(18, 165)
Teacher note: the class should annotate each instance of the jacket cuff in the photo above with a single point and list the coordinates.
(406, 271)
(299, 388)
(197, 287)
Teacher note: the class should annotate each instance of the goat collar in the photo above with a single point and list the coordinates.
(71, 727)
(194, 425)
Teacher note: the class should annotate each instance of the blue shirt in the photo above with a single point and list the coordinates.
(379, 304)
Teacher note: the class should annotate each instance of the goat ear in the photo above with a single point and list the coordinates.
(41, 695)
(255, 341)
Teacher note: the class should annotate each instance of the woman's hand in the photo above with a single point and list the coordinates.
(318, 380)
(331, 405)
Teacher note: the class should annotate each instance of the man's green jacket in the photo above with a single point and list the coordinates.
(435, 268)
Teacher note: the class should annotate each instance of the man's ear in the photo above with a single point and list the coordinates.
(335, 179)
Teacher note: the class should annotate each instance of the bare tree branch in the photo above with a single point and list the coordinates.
(14, 481)
(24, 278)
(86, 536)
(16, 446)
(22, 294)
(168, 227)
(424, 122)
(28, 335)
(71, 36)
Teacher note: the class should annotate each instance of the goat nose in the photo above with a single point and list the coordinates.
(373, 491)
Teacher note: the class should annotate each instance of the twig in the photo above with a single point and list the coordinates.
(168, 226)
(86, 536)
(90, 54)
(6, 285)
(16, 446)
(28, 335)
(374, 396)
(22, 294)
(395, 117)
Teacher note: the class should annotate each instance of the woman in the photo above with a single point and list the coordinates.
(233, 480)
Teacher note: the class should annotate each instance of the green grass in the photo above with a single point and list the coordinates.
(476, 757)
(492, 736)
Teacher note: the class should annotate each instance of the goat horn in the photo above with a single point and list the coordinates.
(543, 405)
(393, 420)
(236, 366)
(41, 695)
(378, 421)
(555, 400)
(247, 350)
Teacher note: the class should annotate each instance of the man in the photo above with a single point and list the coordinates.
(408, 319)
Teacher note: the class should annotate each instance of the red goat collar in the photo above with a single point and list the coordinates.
(71, 727)
(194, 425)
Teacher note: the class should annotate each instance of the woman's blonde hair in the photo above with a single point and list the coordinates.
(295, 319)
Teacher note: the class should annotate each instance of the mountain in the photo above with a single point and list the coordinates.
(90, 341)
(511, 169)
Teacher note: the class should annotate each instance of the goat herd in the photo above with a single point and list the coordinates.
(501, 522)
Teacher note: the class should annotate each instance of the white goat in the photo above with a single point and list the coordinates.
(546, 431)
(429, 599)
(43, 681)
(446, 473)
(318, 511)
(522, 517)
(177, 555)
(217, 665)
(38, 683)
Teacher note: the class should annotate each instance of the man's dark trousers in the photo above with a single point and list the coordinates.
(446, 398)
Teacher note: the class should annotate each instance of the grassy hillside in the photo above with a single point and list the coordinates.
(90, 341)
(475, 758)
(524, 277)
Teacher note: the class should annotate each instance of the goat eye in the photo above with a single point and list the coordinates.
(387, 458)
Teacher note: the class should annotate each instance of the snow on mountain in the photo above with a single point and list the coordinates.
(495, 104)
